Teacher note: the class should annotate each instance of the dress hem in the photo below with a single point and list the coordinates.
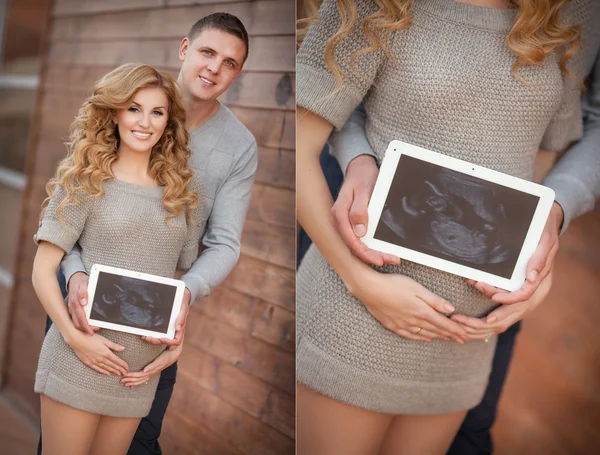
(85, 400)
(329, 376)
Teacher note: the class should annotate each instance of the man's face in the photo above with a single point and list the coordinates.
(210, 63)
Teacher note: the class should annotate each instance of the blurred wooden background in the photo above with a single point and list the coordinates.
(551, 399)
(235, 386)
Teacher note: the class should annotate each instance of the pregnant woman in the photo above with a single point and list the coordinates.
(126, 195)
(381, 368)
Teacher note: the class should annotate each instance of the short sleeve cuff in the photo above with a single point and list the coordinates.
(317, 91)
(54, 232)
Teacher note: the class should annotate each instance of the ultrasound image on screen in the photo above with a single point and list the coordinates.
(133, 302)
(456, 217)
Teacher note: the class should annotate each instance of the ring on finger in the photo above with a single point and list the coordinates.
(418, 330)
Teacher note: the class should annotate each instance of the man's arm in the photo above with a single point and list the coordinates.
(223, 235)
(576, 177)
(351, 141)
(352, 150)
(72, 263)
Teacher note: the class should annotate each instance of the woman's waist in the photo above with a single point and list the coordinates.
(466, 299)
(138, 353)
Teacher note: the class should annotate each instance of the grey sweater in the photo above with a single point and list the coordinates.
(575, 179)
(224, 153)
(450, 89)
(124, 228)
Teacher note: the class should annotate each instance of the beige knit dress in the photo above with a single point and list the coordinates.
(124, 228)
(450, 90)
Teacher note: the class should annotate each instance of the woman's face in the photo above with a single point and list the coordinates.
(143, 122)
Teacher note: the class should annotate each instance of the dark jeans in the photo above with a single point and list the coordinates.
(145, 440)
(473, 437)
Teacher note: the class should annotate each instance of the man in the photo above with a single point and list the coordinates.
(576, 181)
(224, 152)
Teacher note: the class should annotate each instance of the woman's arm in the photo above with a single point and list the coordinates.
(313, 200)
(45, 267)
(397, 302)
(94, 351)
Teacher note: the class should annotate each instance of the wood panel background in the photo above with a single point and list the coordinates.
(551, 400)
(235, 388)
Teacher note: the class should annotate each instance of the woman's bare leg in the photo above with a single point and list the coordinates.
(425, 435)
(328, 427)
(114, 435)
(66, 429)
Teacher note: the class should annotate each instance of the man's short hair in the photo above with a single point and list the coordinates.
(221, 21)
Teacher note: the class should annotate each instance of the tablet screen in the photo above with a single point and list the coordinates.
(133, 302)
(455, 216)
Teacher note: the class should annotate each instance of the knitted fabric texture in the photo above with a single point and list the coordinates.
(125, 228)
(450, 89)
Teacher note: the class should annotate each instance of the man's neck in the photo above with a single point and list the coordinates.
(198, 112)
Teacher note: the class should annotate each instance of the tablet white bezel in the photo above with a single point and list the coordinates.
(93, 281)
(386, 174)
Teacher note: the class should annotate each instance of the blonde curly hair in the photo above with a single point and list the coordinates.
(537, 31)
(94, 140)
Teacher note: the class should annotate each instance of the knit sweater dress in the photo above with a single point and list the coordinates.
(124, 228)
(449, 89)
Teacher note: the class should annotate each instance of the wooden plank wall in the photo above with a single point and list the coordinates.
(235, 389)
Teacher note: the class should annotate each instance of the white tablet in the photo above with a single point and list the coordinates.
(455, 216)
(133, 302)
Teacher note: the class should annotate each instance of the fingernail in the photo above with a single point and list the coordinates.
(491, 320)
(84, 301)
(360, 230)
(533, 275)
(449, 308)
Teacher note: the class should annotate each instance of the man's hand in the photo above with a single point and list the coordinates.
(76, 300)
(180, 323)
(538, 267)
(504, 316)
(349, 212)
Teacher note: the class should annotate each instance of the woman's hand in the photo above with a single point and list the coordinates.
(164, 360)
(96, 352)
(405, 307)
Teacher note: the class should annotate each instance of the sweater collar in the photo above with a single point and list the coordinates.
(495, 19)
